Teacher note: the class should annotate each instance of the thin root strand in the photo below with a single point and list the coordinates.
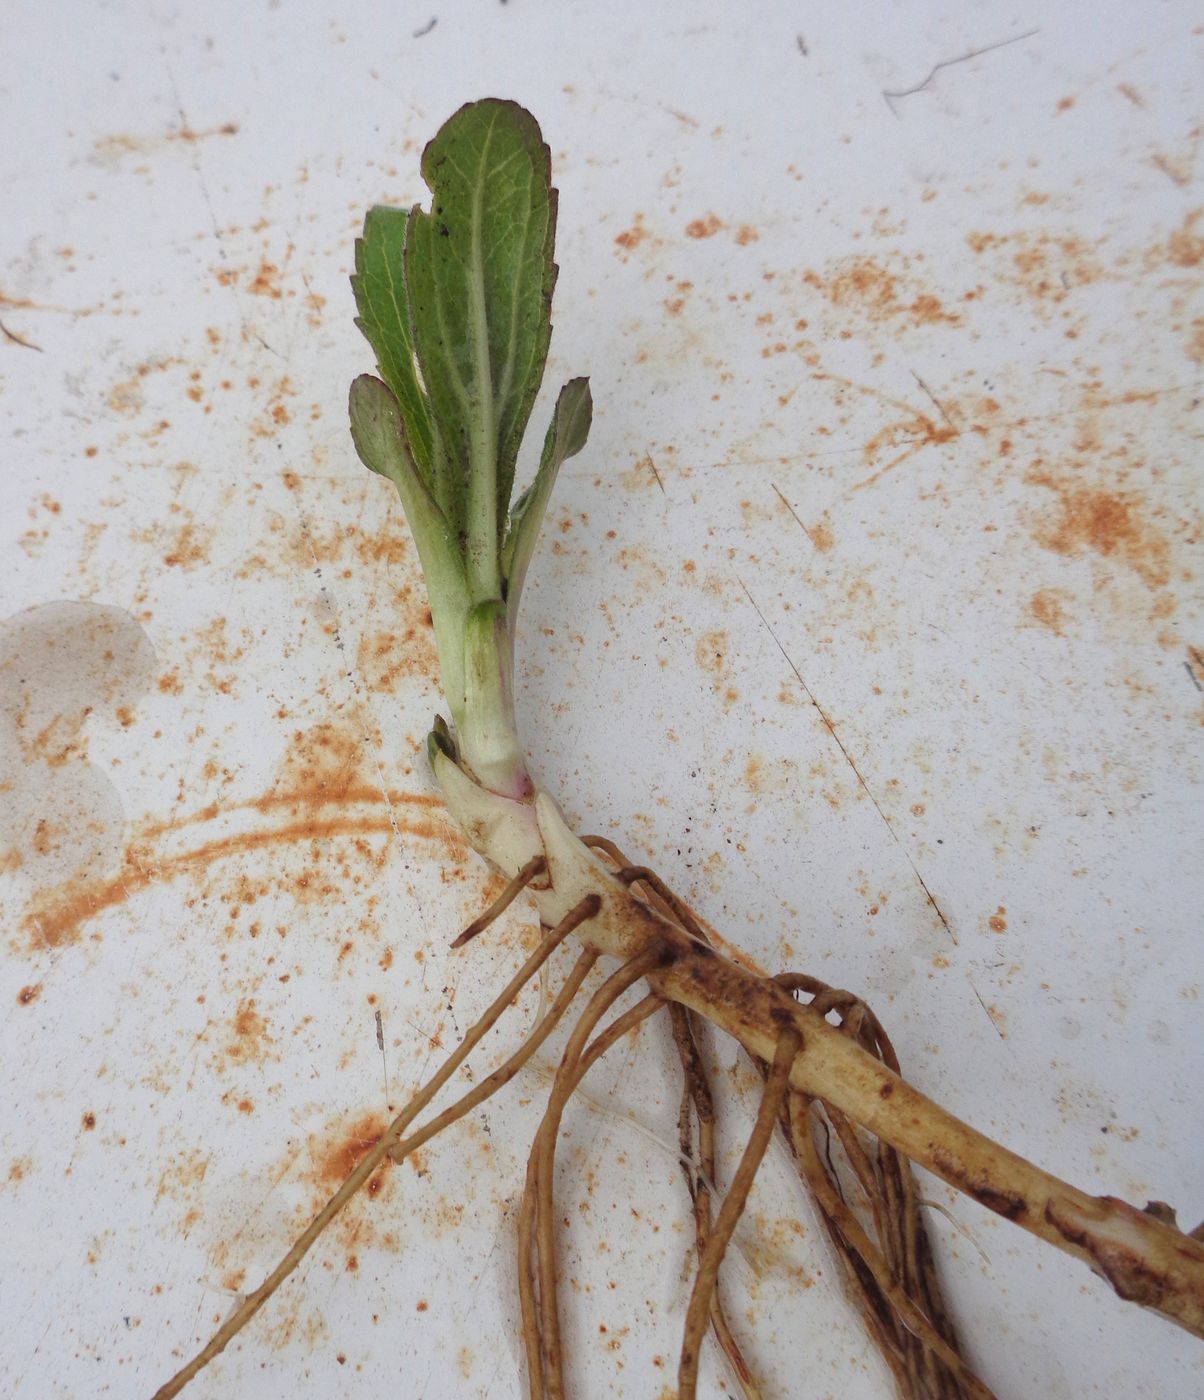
(697, 1104)
(536, 1226)
(533, 869)
(776, 1085)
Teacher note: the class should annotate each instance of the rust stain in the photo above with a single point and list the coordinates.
(1185, 246)
(863, 285)
(56, 917)
(327, 759)
(1180, 167)
(1108, 523)
(28, 995)
(706, 227)
(123, 143)
(249, 1041)
(1047, 266)
(912, 432)
(711, 657)
(337, 1152)
(324, 795)
(1177, 171)
(1046, 606)
(632, 237)
(822, 537)
(190, 547)
(385, 658)
(266, 282)
(917, 432)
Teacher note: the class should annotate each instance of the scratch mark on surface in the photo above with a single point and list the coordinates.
(18, 340)
(1191, 666)
(937, 404)
(384, 1059)
(848, 757)
(905, 455)
(426, 28)
(894, 96)
(987, 1009)
(655, 473)
(198, 171)
(794, 513)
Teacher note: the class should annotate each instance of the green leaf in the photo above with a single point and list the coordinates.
(479, 276)
(566, 437)
(380, 296)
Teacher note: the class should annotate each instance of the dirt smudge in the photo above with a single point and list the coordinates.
(64, 666)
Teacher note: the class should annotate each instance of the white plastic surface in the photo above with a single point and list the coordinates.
(870, 616)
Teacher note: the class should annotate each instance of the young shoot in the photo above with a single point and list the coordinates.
(456, 302)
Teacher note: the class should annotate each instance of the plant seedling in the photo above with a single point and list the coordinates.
(455, 301)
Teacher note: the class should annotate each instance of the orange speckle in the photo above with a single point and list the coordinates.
(632, 237)
(704, 228)
(1185, 247)
(1110, 523)
(266, 282)
(1046, 606)
(822, 537)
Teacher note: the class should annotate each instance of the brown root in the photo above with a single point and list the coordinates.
(697, 1105)
(776, 1086)
(893, 1282)
(885, 1303)
(531, 871)
(697, 1100)
(536, 1229)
